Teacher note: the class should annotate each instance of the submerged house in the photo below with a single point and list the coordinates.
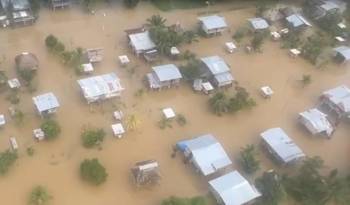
(164, 76)
(27, 61)
(320, 8)
(101, 87)
(46, 103)
(338, 100)
(233, 189)
(212, 25)
(205, 153)
(316, 122)
(258, 24)
(281, 147)
(297, 21)
(18, 12)
(216, 71)
(342, 54)
(146, 172)
(142, 44)
(60, 4)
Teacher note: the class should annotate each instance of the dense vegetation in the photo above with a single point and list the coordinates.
(248, 159)
(92, 137)
(7, 159)
(51, 129)
(185, 201)
(93, 172)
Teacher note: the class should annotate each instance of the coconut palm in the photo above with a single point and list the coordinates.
(156, 21)
(132, 122)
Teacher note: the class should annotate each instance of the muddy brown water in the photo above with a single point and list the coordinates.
(56, 164)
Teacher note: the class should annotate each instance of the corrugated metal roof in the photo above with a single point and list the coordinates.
(216, 64)
(316, 121)
(282, 145)
(328, 5)
(208, 154)
(258, 23)
(167, 72)
(142, 41)
(344, 51)
(213, 22)
(46, 102)
(234, 189)
(297, 20)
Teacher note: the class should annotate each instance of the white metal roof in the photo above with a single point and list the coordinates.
(100, 85)
(167, 72)
(328, 5)
(344, 51)
(213, 22)
(258, 23)
(234, 189)
(142, 41)
(297, 20)
(224, 77)
(338, 94)
(282, 145)
(46, 102)
(208, 154)
(216, 64)
(316, 121)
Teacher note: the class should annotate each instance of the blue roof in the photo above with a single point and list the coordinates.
(216, 64)
(46, 102)
(167, 72)
(258, 23)
(213, 22)
(208, 154)
(297, 20)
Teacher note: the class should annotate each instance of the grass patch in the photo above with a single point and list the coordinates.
(167, 5)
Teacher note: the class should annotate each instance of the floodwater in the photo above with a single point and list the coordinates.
(56, 164)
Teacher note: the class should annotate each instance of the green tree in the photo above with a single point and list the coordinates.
(156, 21)
(257, 41)
(306, 80)
(7, 159)
(51, 42)
(329, 23)
(189, 37)
(93, 172)
(51, 129)
(92, 137)
(199, 200)
(35, 6)
(314, 46)
(240, 101)
(131, 3)
(219, 103)
(248, 159)
(191, 70)
(132, 122)
(39, 196)
(26, 74)
(271, 188)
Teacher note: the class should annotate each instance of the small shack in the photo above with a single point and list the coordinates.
(316, 122)
(27, 61)
(46, 103)
(281, 147)
(164, 76)
(297, 22)
(216, 71)
(338, 100)
(93, 55)
(342, 54)
(142, 44)
(100, 87)
(205, 153)
(258, 24)
(212, 25)
(60, 4)
(233, 189)
(146, 173)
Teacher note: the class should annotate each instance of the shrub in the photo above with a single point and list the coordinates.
(51, 42)
(51, 129)
(18, 117)
(248, 159)
(240, 101)
(313, 47)
(181, 120)
(13, 98)
(92, 137)
(7, 159)
(185, 201)
(93, 172)
(30, 151)
(3, 79)
(191, 70)
(39, 196)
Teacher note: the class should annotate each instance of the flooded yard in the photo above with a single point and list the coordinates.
(56, 164)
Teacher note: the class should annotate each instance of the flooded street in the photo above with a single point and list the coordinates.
(56, 164)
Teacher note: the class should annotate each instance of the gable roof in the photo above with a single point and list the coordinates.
(167, 72)
(213, 22)
(207, 153)
(297, 20)
(46, 102)
(258, 23)
(316, 121)
(215, 64)
(343, 51)
(329, 5)
(234, 189)
(282, 145)
(142, 41)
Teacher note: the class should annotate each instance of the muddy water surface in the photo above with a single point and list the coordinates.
(56, 164)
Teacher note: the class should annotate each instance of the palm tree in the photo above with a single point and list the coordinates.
(271, 188)
(132, 122)
(156, 21)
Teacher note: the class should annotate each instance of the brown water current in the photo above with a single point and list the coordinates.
(56, 164)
